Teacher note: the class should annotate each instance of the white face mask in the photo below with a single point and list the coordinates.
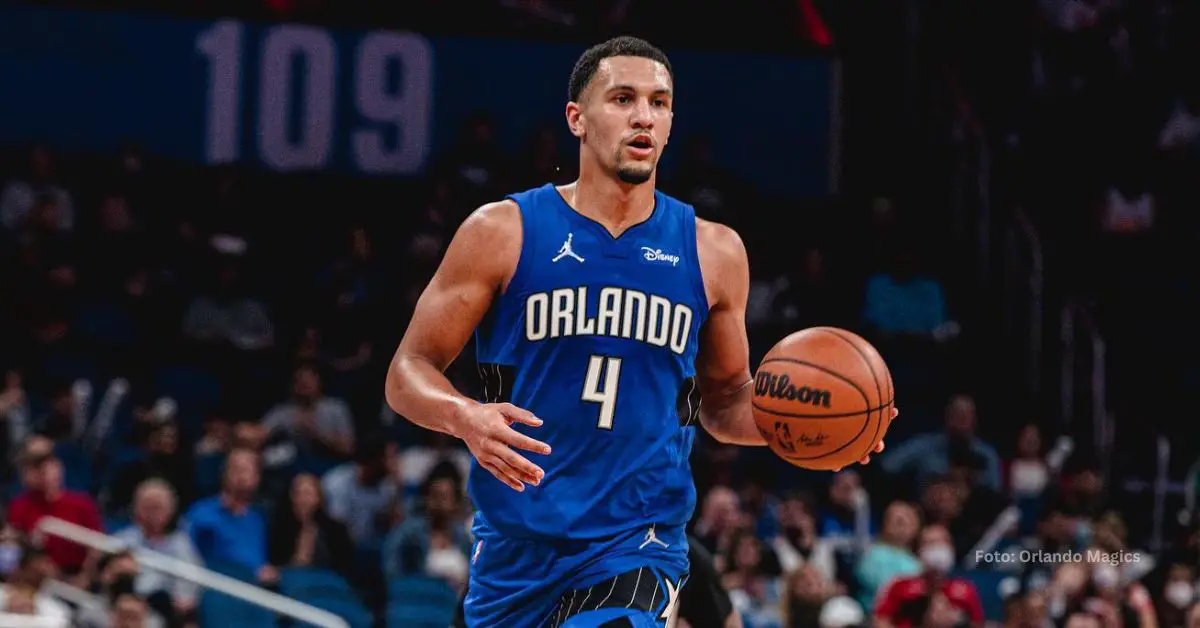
(939, 557)
(1179, 594)
(1028, 478)
(1106, 576)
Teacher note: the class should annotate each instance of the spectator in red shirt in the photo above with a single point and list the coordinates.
(45, 496)
(900, 596)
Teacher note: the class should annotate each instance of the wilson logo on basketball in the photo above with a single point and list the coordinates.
(767, 384)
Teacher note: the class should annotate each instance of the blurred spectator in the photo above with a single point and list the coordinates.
(162, 459)
(711, 189)
(475, 165)
(1028, 474)
(152, 529)
(364, 494)
(225, 321)
(304, 535)
(318, 426)
(14, 413)
(811, 596)
(229, 528)
(430, 450)
(720, 518)
(929, 455)
(891, 556)
(797, 543)
(25, 585)
(129, 611)
(46, 496)
(979, 504)
(434, 539)
(20, 195)
(1177, 596)
(838, 513)
(937, 555)
(751, 574)
(1081, 492)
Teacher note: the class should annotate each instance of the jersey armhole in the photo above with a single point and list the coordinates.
(517, 281)
(691, 234)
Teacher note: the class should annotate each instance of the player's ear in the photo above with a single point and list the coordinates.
(575, 120)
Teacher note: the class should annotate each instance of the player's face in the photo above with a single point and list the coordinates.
(624, 119)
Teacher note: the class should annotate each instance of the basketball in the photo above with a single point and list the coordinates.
(823, 398)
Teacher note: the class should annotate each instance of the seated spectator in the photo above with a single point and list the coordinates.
(797, 543)
(153, 516)
(26, 585)
(363, 494)
(1176, 595)
(1028, 474)
(317, 425)
(163, 460)
(1081, 491)
(431, 449)
(980, 504)
(929, 454)
(46, 496)
(228, 527)
(434, 540)
(304, 535)
(720, 517)
(891, 556)
(225, 322)
(129, 610)
(936, 553)
(838, 512)
(20, 194)
(752, 577)
(808, 598)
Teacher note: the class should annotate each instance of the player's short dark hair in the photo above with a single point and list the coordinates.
(624, 46)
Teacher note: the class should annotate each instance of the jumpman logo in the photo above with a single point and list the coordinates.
(672, 598)
(566, 250)
(651, 538)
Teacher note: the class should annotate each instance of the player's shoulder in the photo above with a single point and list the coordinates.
(496, 219)
(719, 243)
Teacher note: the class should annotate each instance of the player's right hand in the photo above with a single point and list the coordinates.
(491, 439)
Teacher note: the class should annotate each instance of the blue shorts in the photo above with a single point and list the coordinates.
(632, 579)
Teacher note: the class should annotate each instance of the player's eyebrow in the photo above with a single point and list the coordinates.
(662, 91)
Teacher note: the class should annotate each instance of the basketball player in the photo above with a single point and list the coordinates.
(603, 311)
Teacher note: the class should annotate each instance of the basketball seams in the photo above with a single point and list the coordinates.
(839, 415)
(874, 377)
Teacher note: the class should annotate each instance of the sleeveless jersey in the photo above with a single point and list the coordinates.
(597, 336)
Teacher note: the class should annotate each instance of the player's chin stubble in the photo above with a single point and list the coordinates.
(634, 175)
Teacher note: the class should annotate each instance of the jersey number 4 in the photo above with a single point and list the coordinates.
(600, 386)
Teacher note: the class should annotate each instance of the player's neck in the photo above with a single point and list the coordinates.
(610, 202)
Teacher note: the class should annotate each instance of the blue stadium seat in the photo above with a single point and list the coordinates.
(420, 602)
(302, 583)
(77, 466)
(218, 609)
(189, 386)
(988, 585)
(1031, 509)
(208, 474)
(327, 591)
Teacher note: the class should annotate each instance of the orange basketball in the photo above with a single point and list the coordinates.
(823, 398)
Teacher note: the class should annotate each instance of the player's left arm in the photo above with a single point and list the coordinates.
(723, 364)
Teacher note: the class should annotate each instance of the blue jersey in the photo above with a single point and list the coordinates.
(597, 336)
